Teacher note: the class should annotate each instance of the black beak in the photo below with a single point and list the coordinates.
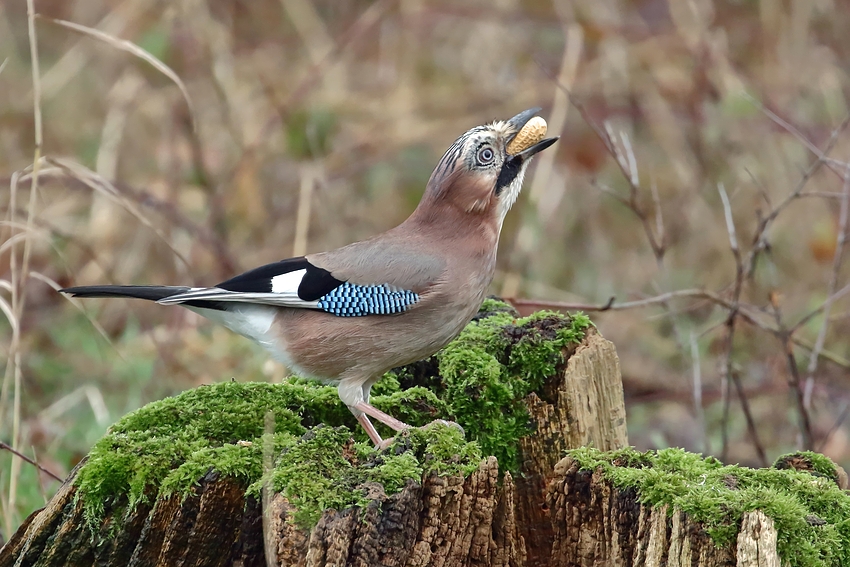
(513, 163)
(517, 122)
(530, 151)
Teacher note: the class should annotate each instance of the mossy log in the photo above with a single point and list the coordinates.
(185, 480)
(625, 508)
(258, 474)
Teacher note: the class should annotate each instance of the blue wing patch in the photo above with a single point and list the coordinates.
(351, 300)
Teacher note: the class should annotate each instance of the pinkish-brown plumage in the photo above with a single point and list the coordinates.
(348, 315)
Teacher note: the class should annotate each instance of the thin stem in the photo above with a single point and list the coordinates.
(34, 463)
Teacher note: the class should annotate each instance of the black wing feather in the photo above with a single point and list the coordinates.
(316, 282)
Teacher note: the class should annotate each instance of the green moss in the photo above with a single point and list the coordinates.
(168, 446)
(811, 514)
(145, 447)
(315, 474)
(326, 469)
(415, 406)
(494, 364)
(479, 381)
(443, 450)
(808, 461)
(492, 305)
(242, 461)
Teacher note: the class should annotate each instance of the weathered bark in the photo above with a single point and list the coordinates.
(550, 514)
(584, 408)
(597, 524)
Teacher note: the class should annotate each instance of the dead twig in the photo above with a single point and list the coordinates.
(788, 127)
(613, 305)
(746, 312)
(366, 20)
(20, 455)
(759, 243)
(794, 381)
(19, 275)
(171, 213)
(832, 298)
(625, 159)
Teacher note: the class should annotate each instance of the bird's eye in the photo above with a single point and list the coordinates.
(485, 156)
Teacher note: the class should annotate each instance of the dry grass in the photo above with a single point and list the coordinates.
(314, 124)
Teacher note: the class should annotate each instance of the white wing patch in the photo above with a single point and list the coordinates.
(288, 283)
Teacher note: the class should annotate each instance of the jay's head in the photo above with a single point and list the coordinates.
(479, 175)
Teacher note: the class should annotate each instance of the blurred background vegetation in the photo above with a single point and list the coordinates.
(318, 123)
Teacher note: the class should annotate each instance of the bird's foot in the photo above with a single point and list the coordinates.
(384, 418)
(385, 443)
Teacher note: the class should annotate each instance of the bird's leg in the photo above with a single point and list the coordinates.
(354, 392)
(384, 418)
(370, 429)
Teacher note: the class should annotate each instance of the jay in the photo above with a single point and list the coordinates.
(349, 315)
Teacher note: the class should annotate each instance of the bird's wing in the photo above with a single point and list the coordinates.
(383, 260)
(352, 281)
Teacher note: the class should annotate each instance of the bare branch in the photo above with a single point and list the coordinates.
(814, 312)
(748, 313)
(659, 218)
(627, 163)
(612, 305)
(794, 381)
(631, 162)
(760, 236)
(30, 461)
(608, 191)
(823, 194)
(796, 133)
(730, 223)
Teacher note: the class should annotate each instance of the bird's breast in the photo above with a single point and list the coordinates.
(324, 346)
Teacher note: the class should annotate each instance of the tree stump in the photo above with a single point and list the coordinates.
(674, 508)
(256, 474)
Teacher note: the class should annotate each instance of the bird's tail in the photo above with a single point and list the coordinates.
(149, 292)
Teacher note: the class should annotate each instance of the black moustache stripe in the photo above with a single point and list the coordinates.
(510, 170)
